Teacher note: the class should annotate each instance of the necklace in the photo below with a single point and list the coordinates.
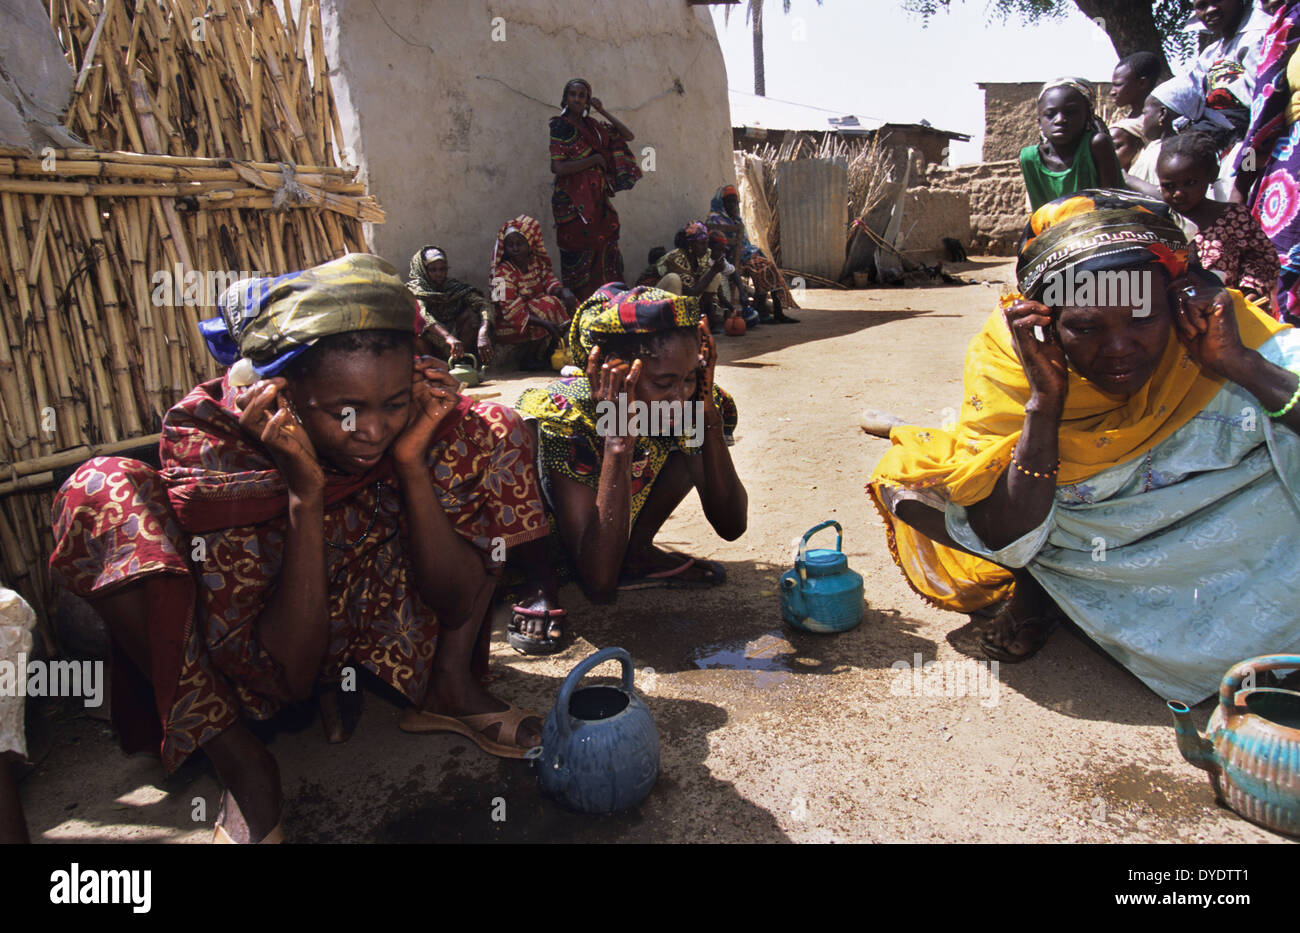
(374, 513)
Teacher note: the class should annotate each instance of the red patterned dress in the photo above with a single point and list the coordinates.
(207, 535)
(518, 293)
(1236, 247)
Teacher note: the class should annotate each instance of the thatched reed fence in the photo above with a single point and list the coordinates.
(213, 144)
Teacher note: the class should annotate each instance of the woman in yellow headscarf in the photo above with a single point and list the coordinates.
(1127, 453)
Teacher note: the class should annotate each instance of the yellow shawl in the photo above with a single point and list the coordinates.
(964, 462)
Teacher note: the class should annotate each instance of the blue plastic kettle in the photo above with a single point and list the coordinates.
(821, 594)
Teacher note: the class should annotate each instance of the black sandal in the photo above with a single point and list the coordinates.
(531, 644)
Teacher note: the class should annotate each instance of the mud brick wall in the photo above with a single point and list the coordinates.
(930, 214)
(998, 209)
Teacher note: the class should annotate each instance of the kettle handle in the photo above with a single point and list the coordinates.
(451, 360)
(803, 545)
(1232, 680)
(575, 675)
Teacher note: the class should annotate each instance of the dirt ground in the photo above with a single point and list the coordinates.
(767, 735)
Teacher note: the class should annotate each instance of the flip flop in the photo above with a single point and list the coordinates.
(422, 722)
(672, 578)
(1047, 621)
(531, 644)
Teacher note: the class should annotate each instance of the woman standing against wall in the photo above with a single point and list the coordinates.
(591, 161)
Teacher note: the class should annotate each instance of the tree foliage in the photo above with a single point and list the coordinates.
(1168, 15)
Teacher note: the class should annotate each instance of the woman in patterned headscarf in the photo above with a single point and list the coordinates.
(453, 314)
(532, 305)
(684, 271)
(610, 483)
(1127, 456)
(323, 505)
(591, 162)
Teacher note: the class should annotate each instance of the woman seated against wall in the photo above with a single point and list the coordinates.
(346, 510)
(455, 317)
(1130, 464)
(769, 291)
(533, 306)
(609, 483)
(688, 270)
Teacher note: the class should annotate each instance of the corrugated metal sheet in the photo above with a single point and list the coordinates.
(812, 202)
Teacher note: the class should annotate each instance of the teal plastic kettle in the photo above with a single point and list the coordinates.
(821, 594)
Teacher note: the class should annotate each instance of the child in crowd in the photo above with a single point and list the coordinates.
(1128, 138)
(1076, 151)
(1135, 77)
(1228, 241)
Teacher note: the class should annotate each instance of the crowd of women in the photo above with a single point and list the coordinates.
(713, 260)
(332, 501)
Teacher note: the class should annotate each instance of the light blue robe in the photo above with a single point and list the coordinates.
(1184, 563)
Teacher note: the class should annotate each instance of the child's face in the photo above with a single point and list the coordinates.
(1127, 88)
(1182, 182)
(1127, 146)
(1153, 119)
(1062, 115)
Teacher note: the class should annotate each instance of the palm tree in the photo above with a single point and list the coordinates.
(754, 17)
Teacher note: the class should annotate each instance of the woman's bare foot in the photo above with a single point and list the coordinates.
(253, 801)
(1023, 625)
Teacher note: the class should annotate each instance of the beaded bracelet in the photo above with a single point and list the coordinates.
(1295, 397)
(1034, 473)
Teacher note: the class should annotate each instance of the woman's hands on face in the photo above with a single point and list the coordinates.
(1043, 360)
(1207, 326)
(434, 395)
(266, 416)
(608, 380)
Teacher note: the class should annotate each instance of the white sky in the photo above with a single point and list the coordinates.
(870, 58)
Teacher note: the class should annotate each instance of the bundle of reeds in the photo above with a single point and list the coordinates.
(213, 152)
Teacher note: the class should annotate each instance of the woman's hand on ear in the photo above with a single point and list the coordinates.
(266, 415)
(1207, 325)
(1043, 360)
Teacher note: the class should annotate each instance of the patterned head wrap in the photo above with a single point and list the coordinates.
(1094, 230)
(526, 227)
(417, 281)
(695, 231)
(718, 238)
(614, 310)
(270, 321)
(1074, 84)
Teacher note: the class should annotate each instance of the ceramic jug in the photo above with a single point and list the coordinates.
(600, 747)
(1252, 745)
(821, 594)
(467, 374)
